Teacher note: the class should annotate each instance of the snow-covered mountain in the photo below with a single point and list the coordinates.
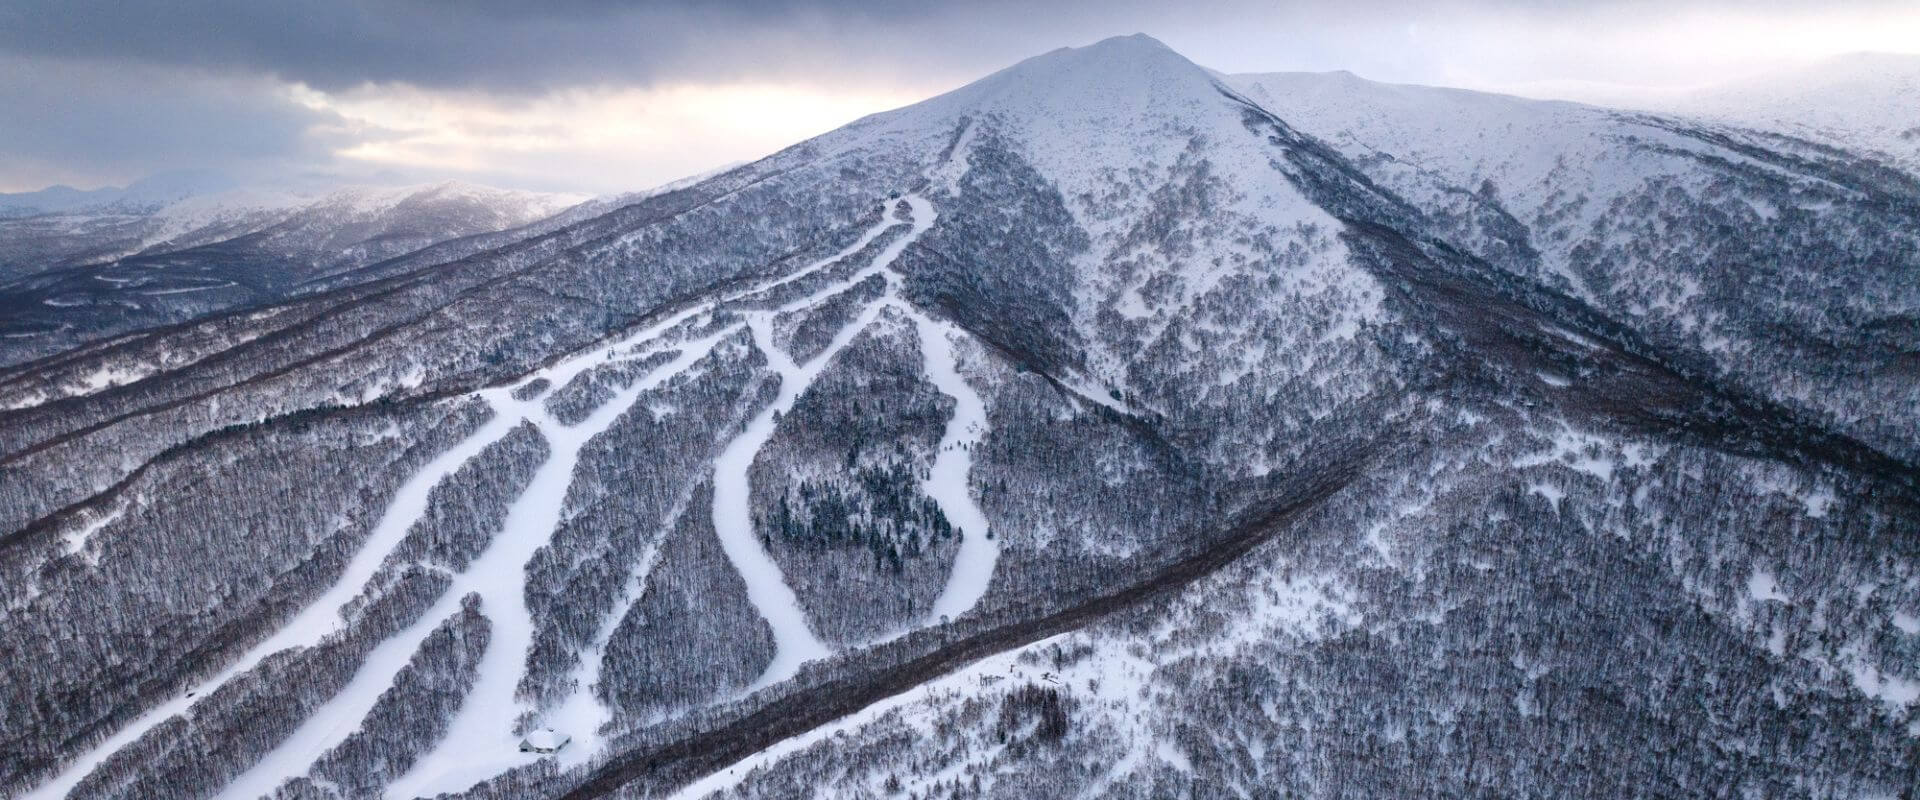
(1865, 102)
(1105, 427)
(1634, 215)
(129, 264)
(145, 195)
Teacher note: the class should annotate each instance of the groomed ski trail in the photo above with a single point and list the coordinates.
(339, 716)
(480, 741)
(795, 642)
(948, 480)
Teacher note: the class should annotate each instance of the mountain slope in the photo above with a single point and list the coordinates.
(73, 277)
(145, 195)
(1102, 412)
(1635, 215)
(1864, 102)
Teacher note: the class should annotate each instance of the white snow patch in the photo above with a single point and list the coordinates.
(1761, 586)
(186, 289)
(1907, 623)
(1818, 501)
(76, 540)
(1890, 689)
(1577, 451)
(1554, 494)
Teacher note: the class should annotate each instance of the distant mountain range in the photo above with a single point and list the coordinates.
(1862, 102)
(160, 252)
(145, 195)
(1107, 427)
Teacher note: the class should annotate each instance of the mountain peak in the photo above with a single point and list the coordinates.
(1131, 41)
(1110, 81)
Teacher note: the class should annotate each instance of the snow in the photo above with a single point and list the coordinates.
(1109, 686)
(1907, 623)
(498, 575)
(1581, 452)
(1553, 494)
(547, 739)
(795, 643)
(480, 741)
(1893, 690)
(1762, 586)
(186, 289)
(582, 712)
(77, 539)
(964, 680)
(1425, 142)
(340, 716)
(107, 376)
(1867, 102)
(947, 482)
(1818, 501)
(318, 619)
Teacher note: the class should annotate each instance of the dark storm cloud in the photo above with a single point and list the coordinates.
(108, 123)
(95, 91)
(335, 44)
(503, 45)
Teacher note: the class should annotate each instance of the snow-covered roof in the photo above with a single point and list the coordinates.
(546, 739)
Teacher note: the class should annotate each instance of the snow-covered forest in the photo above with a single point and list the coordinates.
(1107, 427)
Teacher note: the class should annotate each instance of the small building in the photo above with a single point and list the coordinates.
(545, 740)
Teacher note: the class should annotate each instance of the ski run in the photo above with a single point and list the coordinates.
(480, 740)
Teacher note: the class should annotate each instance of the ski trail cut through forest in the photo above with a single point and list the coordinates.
(322, 617)
(480, 740)
(948, 482)
(668, 766)
(582, 713)
(313, 623)
(795, 642)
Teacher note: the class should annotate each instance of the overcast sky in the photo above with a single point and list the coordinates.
(599, 96)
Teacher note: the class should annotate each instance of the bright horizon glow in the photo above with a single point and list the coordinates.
(611, 137)
(635, 138)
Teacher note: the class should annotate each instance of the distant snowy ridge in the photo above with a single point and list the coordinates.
(1107, 427)
(1868, 102)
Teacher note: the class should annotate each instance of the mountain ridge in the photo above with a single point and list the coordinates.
(1177, 309)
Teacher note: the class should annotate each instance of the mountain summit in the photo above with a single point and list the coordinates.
(1239, 435)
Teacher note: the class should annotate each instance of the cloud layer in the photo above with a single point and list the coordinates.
(602, 95)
